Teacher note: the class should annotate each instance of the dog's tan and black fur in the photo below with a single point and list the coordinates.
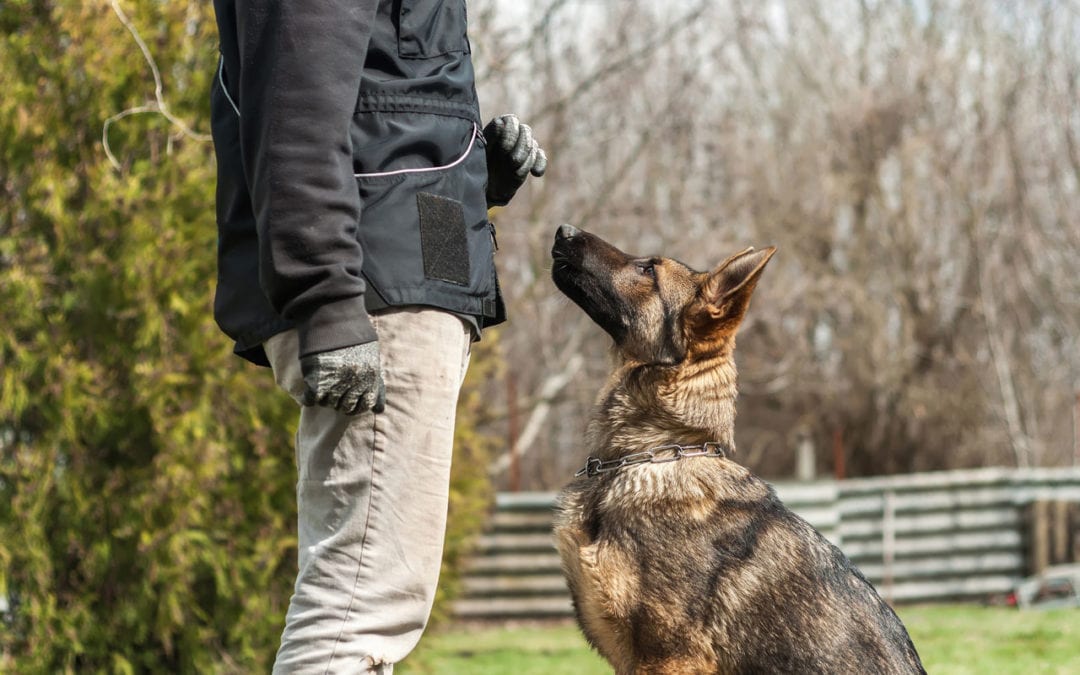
(695, 566)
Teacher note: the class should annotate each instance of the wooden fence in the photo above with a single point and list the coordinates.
(960, 535)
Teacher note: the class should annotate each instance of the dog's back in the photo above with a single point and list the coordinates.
(683, 563)
(696, 566)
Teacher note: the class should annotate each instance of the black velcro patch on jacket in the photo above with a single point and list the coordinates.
(443, 238)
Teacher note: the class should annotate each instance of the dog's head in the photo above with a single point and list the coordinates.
(658, 310)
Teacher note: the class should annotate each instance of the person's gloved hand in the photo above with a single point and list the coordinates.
(348, 379)
(512, 154)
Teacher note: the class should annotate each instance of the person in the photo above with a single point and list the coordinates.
(355, 258)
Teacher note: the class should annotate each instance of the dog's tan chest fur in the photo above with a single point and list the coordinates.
(603, 572)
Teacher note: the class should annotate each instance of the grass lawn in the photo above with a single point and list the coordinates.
(963, 639)
(951, 639)
(526, 650)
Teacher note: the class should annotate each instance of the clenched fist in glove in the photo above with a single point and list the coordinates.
(512, 154)
(347, 379)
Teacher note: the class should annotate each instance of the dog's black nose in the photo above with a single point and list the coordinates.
(566, 232)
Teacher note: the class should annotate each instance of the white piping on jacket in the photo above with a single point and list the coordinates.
(221, 81)
(459, 160)
(377, 174)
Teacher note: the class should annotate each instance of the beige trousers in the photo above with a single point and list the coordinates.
(372, 497)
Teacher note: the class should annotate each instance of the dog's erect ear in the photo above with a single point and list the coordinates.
(728, 288)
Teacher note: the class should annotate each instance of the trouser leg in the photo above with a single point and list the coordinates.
(372, 497)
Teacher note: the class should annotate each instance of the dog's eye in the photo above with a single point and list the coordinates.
(647, 269)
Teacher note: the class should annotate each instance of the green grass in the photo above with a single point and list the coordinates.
(525, 650)
(955, 639)
(964, 639)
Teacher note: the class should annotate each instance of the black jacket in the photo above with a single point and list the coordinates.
(351, 169)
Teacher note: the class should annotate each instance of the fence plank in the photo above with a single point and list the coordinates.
(955, 535)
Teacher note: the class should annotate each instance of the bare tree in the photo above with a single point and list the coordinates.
(917, 163)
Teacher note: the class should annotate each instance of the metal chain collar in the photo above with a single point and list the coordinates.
(662, 454)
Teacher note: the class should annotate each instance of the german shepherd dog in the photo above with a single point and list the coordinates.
(678, 559)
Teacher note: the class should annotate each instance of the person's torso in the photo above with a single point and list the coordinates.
(420, 169)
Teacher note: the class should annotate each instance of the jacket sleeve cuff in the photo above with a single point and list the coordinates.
(343, 323)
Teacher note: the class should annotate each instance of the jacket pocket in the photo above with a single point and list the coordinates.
(423, 227)
(431, 28)
(476, 135)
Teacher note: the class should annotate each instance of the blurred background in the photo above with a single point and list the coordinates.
(916, 162)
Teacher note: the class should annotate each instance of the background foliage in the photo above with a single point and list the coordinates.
(916, 162)
(147, 503)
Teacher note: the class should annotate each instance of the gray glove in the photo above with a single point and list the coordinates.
(348, 379)
(512, 154)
